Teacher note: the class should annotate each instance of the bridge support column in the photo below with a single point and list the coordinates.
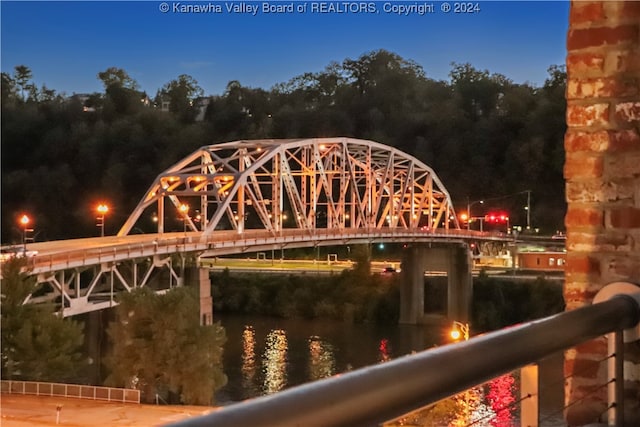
(412, 286)
(93, 334)
(204, 291)
(199, 278)
(455, 261)
(460, 284)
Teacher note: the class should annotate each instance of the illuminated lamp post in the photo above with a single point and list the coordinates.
(184, 211)
(505, 219)
(459, 330)
(464, 217)
(469, 216)
(102, 210)
(24, 221)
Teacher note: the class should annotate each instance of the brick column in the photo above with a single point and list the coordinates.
(602, 172)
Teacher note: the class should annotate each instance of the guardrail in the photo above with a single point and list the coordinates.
(375, 394)
(79, 391)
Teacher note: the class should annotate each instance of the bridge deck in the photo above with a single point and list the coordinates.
(65, 254)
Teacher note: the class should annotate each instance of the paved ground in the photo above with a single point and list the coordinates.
(22, 411)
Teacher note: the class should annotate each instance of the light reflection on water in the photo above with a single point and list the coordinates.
(385, 350)
(249, 367)
(274, 362)
(501, 397)
(264, 356)
(322, 363)
(489, 405)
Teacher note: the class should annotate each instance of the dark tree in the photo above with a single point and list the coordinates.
(37, 344)
(160, 348)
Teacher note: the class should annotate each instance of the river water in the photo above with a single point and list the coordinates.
(264, 355)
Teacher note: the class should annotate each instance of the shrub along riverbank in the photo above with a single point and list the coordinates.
(359, 296)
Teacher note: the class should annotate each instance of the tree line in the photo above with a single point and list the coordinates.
(361, 297)
(483, 134)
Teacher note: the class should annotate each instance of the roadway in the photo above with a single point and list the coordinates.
(67, 254)
(293, 266)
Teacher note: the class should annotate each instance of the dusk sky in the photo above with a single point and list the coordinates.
(66, 44)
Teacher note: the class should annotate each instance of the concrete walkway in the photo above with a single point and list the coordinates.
(23, 410)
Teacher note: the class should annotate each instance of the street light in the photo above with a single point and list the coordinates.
(102, 210)
(184, 210)
(459, 330)
(528, 209)
(24, 221)
(469, 216)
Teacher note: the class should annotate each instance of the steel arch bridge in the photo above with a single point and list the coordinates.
(250, 196)
(307, 184)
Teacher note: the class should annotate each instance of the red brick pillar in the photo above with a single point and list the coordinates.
(602, 172)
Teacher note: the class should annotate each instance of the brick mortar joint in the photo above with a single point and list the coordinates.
(609, 21)
(598, 61)
(610, 101)
(612, 125)
(585, 156)
(618, 22)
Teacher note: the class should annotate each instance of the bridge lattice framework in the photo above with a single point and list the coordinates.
(332, 183)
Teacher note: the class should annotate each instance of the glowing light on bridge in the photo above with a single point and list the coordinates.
(102, 210)
(184, 211)
(24, 221)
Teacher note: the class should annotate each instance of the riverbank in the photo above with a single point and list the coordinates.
(24, 410)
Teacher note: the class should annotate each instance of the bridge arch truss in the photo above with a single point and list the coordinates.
(307, 184)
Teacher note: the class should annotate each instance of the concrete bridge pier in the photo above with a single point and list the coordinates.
(204, 292)
(95, 323)
(455, 260)
(199, 277)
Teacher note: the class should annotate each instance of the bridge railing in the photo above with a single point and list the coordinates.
(375, 394)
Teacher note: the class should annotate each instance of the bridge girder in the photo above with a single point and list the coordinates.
(94, 287)
(332, 183)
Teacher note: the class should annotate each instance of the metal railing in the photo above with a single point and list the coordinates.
(78, 391)
(375, 394)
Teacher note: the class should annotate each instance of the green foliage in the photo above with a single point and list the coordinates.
(482, 133)
(181, 94)
(500, 303)
(349, 296)
(362, 260)
(117, 77)
(37, 345)
(160, 348)
(352, 296)
(22, 76)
